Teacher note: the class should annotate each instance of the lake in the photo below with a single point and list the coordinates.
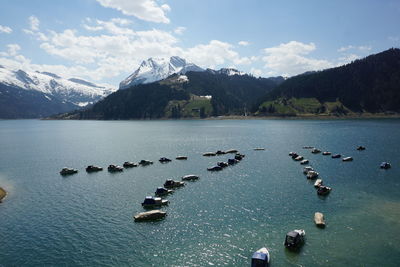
(219, 220)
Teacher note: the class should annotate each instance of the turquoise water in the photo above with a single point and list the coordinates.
(219, 220)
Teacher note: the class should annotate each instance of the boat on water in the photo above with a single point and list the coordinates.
(68, 171)
(360, 148)
(295, 239)
(232, 161)
(239, 156)
(115, 168)
(293, 154)
(315, 151)
(190, 177)
(209, 154)
(298, 158)
(385, 165)
(307, 169)
(319, 219)
(181, 158)
(153, 202)
(259, 149)
(222, 164)
(304, 161)
(150, 215)
(164, 160)
(145, 162)
(323, 190)
(129, 164)
(260, 258)
(318, 183)
(220, 152)
(308, 147)
(336, 156)
(347, 159)
(312, 175)
(173, 184)
(232, 151)
(326, 153)
(92, 168)
(161, 191)
(215, 168)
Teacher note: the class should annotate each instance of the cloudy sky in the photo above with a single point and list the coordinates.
(105, 40)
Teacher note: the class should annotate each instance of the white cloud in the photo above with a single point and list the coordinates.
(12, 50)
(147, 10)
(113, 26)
(34, 23)
(5, 29)
(179, 30)
(362, 48)
(256, 72)
(290, 58)
(243, 43)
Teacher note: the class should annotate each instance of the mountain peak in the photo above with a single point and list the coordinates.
(155, 69)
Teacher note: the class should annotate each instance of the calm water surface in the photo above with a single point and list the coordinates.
(86, 219)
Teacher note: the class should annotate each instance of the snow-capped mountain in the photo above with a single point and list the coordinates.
(155, 69)
(74, 91)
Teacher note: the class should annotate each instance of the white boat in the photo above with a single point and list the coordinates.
(152, 202)
(233, 151)
(298, 158)
(68, 171)
(307, 169)
(318, 183)
(190, 177)
(319, 219)
(261, 258)
(315, 151)
(326, 153)
(347, 159)
(209, 154)
(312, 175)
(304, 161)
(150, 215)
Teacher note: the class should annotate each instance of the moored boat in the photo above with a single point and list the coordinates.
(307, 169)
(68, 171)
(115, 168)
(152, 202)
(323, 190)
(315, 151)
(385, 165)
(209, 154)
(92, 168)
(181, 158)
(145, 162)
(318, 183)
(150, 215)
(295, 239)
(312, 175)
(259, 149)
(326, 153)
(319, 219)
(173, 184)
(161, 191)
(164, 160)
(215, 168)
(298, 158)
(260, 258)
(336, 156)
(304, 161)
(190, 177)
(129, 164)
(231, 151)
(347, 159)
(360, 148)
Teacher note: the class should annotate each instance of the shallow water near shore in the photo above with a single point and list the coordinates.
(219, 220)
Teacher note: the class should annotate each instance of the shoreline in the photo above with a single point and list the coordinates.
(3, 194)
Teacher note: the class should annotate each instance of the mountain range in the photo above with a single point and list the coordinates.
(27, 94)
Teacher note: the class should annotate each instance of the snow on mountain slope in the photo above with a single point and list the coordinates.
(75, 91)
(227, 71)
(155, 69)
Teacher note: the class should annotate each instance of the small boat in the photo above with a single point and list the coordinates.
(318, 183)
(222, 164)
(307, 169)
(209, 154)
(260, 258)
(315, 151)
(181, 158)
(326, 153)
(347, 159)
(295, 239)
(304, 161)
(308, 147)
(129, 164)
(239, 156)
(319, 219)
(214, 168)
(150, 215)
(336, 156)
(144, 162)
(173, 184)
(385, 165)
(152, 202)
(360, 148)
(232, 161)
(323, 190)
(92, 168)
(164, 160)
(115, 168)
(190, 177)
(291, 154)
(161, 191)
(259, 149)
(68, 171)
(220, 152)
(231, 151)
(312, 175)
(298, 158)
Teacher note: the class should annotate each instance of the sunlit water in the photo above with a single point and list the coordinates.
(221, 219)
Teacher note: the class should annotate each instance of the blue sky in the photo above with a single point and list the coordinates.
(105, 40)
